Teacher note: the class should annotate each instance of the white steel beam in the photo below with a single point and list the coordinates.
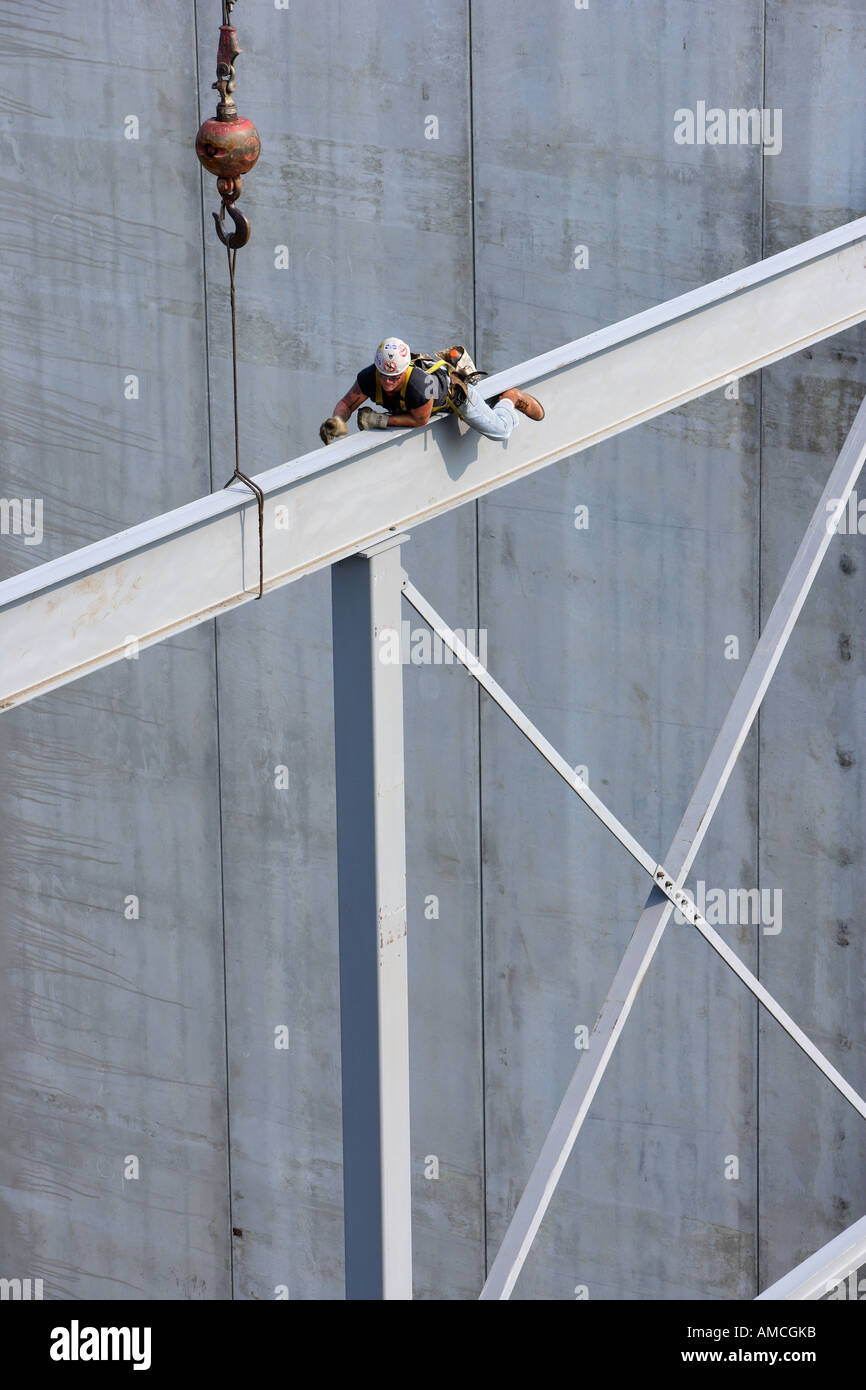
(75, 614)
(822, 1272)
(371, 881)
(743, 973)
(687, 840)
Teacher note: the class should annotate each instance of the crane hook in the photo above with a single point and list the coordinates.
(241, 235)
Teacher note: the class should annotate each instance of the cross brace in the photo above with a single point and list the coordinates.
(824, 1270)
(667, 884)
(660, 876)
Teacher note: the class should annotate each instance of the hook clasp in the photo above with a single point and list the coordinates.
(241, 235)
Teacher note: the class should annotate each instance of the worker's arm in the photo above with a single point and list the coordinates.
(419, 416)
(350, 402)
(335, 427)
(369, 419)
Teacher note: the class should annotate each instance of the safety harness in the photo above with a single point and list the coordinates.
(436, 368)
(454, 368)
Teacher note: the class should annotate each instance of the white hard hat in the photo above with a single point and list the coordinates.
(392, 357)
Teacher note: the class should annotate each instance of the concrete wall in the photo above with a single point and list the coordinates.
(813, 792)
(154, 1036)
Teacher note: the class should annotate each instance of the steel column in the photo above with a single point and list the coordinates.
(374, 1014)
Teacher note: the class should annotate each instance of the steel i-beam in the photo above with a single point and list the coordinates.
(71, 616)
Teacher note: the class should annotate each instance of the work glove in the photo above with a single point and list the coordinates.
(370, 419)
(333, 428)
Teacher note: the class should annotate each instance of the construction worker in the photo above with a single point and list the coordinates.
(410, 394)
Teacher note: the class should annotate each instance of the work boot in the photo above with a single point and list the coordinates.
(522, 401)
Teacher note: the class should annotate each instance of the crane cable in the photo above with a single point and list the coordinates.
(228, 146)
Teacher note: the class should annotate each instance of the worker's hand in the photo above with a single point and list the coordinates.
(370, 419)
(333, 428)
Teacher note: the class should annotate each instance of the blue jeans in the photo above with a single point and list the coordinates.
(496, 422)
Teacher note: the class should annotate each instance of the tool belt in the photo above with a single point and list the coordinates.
(455, 369)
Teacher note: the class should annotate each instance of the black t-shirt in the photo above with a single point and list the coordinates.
(417, 390)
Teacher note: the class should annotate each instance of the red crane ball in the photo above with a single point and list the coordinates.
(228, 148)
